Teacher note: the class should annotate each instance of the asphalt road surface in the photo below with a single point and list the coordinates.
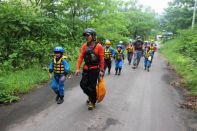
(136, 100)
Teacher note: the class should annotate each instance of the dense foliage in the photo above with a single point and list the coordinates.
(30, 29)
(178, 18)
(185, 66)
(188, 44)
(182, 49)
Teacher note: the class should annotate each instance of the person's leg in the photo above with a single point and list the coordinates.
(135, 59)
(109, 66)
(61, 91)
(148, 65)
(105, 66)
(119, 72)
(85, 82)
(139, 54)
(120, 66)
(93, 78)
(61, 87)
(129, 58)
(116, 67)
(145, 63)
(54, 86)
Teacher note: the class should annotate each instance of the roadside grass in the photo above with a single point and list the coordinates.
(183, 65)
(13, 84)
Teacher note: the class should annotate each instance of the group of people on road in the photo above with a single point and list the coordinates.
(97, 59)
(110, 53)
(137, 49)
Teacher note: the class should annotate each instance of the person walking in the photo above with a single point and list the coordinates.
(129, 52)
(138, 51)
(119, 57)
(109, 52)
(60, 67)
(147, 58)
(93, 55)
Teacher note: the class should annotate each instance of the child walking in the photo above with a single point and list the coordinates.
(119, 57)
(60, 67)
(147, 58)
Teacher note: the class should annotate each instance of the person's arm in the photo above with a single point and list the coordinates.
(133, 47)
(123, 55)
(114, 55)
(112, 51)
(66, 67)
(127, 47)
(101, 56)
(51, 69)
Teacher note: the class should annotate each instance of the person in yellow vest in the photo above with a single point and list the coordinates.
(129, 52)
(147, 58)
(109, 52)
(60, 67)
(119, 57)
(153, 49)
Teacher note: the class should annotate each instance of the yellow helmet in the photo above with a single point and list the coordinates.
(108, 42)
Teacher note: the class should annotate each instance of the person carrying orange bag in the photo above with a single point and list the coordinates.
(92, 53)
(100, 90)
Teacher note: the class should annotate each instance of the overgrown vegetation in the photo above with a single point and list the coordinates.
(188, 44)
(30, 29)
(182, 52)
(19, 82)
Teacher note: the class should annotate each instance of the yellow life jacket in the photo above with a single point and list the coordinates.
(58, 67)
(147, 53)
(118, 54)
(129, 49)
(108, 54)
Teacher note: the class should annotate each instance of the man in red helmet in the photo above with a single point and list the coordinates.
(93, 55)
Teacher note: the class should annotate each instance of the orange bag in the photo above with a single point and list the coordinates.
(100, 90)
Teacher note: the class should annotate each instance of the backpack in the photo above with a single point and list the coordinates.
(90, 57)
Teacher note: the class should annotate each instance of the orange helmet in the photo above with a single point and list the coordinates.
(108, 42)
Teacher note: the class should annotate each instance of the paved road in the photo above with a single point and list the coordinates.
(135, 101)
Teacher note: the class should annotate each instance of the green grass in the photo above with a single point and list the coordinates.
(183, 65)
(14, 83)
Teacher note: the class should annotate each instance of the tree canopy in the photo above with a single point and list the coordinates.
(31, 28)
(178, 15)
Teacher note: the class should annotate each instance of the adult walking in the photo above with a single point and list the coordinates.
(138, 51)
(93, 55)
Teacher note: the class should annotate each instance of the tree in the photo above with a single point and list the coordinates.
(178, 15)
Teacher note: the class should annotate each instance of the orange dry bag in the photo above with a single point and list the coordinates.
(100, 90)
